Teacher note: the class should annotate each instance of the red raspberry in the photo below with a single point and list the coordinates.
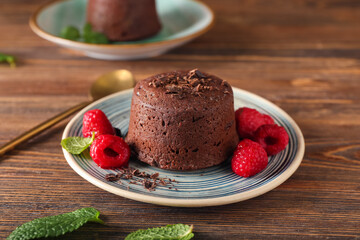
(272, 138)
(249, 158)
(109, 151)
(248, 120)
(96, 121)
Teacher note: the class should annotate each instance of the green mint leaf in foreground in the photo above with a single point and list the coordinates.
(170, 232)
(70, 32)
(76, 145)
(54, 226)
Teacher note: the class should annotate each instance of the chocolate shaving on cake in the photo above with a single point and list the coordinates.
(199, 74)
(192, 73)
(198, 94)
(158, 82)
(173, 89)
(194, 82)
(150, 182)
(197, 88)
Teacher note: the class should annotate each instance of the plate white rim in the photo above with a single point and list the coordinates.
(192, 202)
(81, 45)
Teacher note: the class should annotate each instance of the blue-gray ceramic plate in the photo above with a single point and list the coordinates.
(182, 21)
(207, 187)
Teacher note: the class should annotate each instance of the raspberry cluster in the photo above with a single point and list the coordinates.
(108, 150)
(261, 138)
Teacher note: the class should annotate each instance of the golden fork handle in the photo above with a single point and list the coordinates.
(40, 128)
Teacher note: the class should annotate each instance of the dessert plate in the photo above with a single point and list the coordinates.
(207, 187)
(182, 21)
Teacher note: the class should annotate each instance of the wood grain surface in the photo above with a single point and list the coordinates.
(303, 55)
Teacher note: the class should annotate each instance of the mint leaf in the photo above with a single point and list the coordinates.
(70, 32)
(88, 36)
(169, 232)
(76, 145)
(87, 29)
(93, 37)
(54, 226)
(96, 37)
(8, 58)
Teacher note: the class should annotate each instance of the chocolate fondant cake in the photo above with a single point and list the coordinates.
(182, 120)
(123, 20)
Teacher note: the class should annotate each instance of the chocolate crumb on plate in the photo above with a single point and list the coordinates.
(155, 176)
(111, 177)
(149, 181)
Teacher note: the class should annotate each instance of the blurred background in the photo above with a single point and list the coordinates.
(303, 55)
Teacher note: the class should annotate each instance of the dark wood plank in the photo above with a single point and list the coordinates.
(302, 55)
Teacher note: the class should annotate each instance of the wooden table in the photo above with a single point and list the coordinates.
(302, 55)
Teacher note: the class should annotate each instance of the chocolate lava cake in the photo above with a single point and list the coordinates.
(123, 20)
(182, 120)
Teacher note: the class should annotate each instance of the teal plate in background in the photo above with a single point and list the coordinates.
(212, 186)
(182, 21)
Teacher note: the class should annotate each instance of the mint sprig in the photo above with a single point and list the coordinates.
(88, 35)
(169, 232)
(91, 36)
(57, 225)
(77, 145)
(70, 32)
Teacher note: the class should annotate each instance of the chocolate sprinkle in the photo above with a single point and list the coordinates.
(199, 74)
(194, 82)
(111, 177)
(155, 176)
(150, 182)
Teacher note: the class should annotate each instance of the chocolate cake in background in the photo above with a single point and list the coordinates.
(182, 120)
(123, 20)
